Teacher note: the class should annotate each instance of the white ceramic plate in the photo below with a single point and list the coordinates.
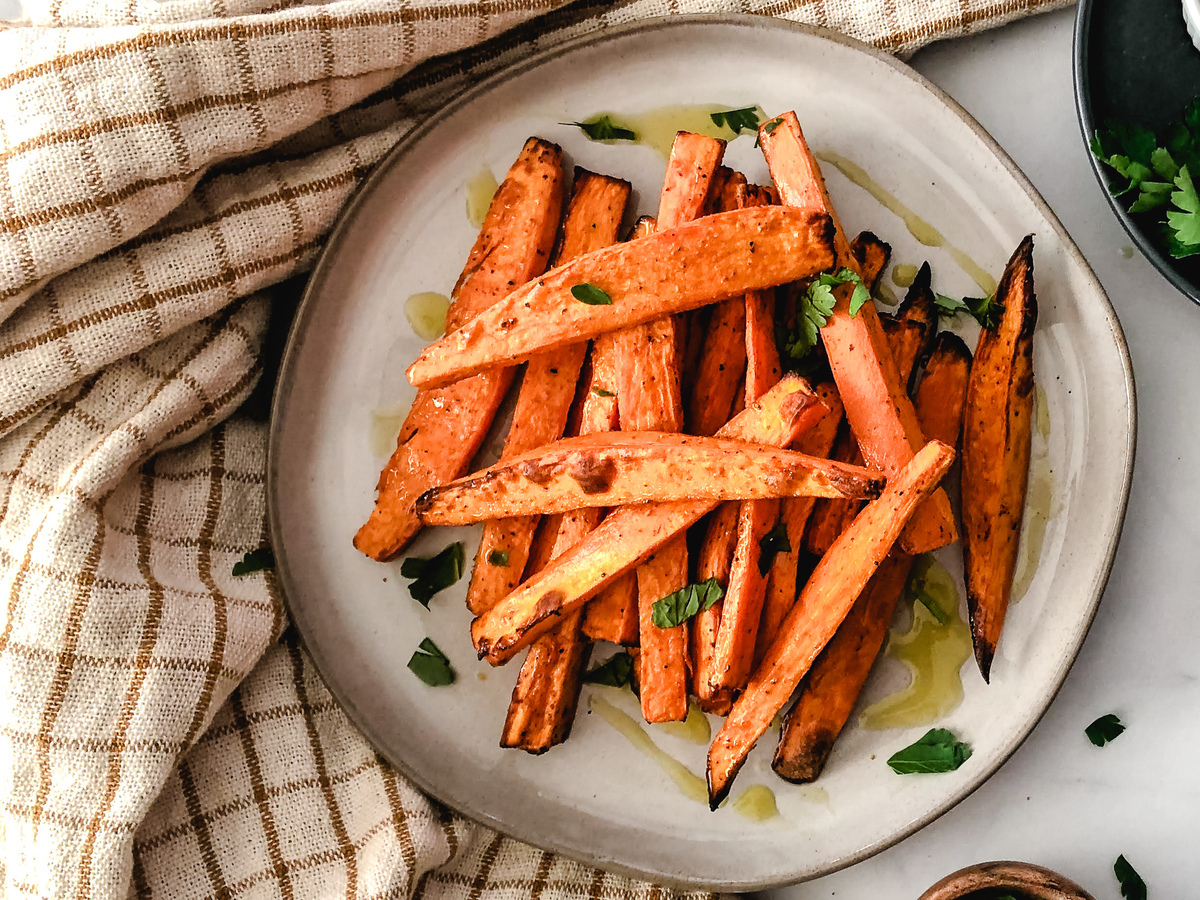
(596, 798)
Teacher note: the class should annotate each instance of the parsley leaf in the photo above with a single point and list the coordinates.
(1104, 729)
(935, 609)
(603, 128)
(816, 306)
(984, 310)
(255, 561)
(497, 558)
(774, 541)
(937, 751)
(601, 392)
(1132, 886)
(737, 120)
(1185, 218)
(433, 573)
(431, 665)
(591, 295)
(676, 608)
(616, 671)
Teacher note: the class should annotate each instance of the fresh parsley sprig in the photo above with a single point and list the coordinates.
(254, 561)
(603, 128)
(1104, 729)
(616, 671)
(679, 606)
(737, 120)
(434, 573)
(590, 294)
(984, 310)
(937, 751)
(1132, 886)
(431, 665)
(1152, 174)
(816, 306)
(498, 558)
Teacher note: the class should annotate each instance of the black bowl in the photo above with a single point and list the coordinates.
(1135, 63)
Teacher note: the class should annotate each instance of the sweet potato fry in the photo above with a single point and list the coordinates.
(835, 584)
(715, 561)
(877, 404)
(829, 692)
(651, 389)
(446, 426)
(623, 468)
(920, 308)
(629, 535)
(741, 609)
(829, 519)
(996, 448)
(872, 255)
(547, 390)
(943, 389)
(674, 270)
(794, 513)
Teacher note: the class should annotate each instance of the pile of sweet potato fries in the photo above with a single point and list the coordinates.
(657, 358)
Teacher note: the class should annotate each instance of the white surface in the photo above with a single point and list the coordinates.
(1061, 802)
(595, 795)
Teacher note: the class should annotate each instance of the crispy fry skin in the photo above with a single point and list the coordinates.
(621, 468)
(674, 270)
(629, 535)
(877, 405)
(715, 561)
(836, 583)
(919, 308)
(829, 692)
(872, 255)
(446, 426)
(547, 390)
(794, 513)
(996, 447)
(651, 393)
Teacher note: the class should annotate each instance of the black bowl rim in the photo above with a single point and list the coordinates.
(1087, 125)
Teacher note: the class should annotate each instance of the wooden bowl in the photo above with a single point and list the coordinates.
(1023, 879)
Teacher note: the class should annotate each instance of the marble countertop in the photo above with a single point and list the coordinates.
(1060, 802)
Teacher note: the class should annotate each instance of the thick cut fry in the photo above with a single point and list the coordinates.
(629, 535)
(794, 513)
(835, 584)
(669, 272)
(622, 468)
(715, 561)
(651, 388)
(919, 308)
(996, 447)
(445, 427)
(943, 389)
(829, 518)
(828, 694)
(612, 615)
(877, 405)
(831, 689)
(741, 609)
(547, 390)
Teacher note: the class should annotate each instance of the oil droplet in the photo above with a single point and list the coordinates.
(426, 313)
(482, 676)
(884, 294)
(917, 227)
(656, 128)
(480, 191)
(933, 654)
(1127, 253)
(903, 275)
(1039, 500)
(689, 783)
(756, 803)
(695, 728)
(385, 427)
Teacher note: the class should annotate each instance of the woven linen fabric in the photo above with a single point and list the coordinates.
(164, 166)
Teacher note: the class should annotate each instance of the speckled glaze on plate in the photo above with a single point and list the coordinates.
(595, 798)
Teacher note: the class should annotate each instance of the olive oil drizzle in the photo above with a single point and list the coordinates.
(1039, 500)
(917, 227)
(480, 190)
(426, 314)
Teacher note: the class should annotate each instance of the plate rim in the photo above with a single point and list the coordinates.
(1082, 84)
(329, 252)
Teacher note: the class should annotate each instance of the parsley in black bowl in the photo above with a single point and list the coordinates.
(1137, 77)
